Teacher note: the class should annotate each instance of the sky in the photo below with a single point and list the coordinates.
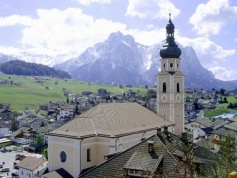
(71, 26)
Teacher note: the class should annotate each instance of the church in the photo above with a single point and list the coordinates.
(111, 128)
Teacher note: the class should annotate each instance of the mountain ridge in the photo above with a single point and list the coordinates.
(121, 60)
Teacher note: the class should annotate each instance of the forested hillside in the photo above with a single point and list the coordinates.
(18, 67)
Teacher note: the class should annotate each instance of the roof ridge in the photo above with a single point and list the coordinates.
(93, 125)
(166, 148)
(107, 122)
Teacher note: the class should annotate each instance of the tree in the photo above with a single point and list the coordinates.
(39, 142)
(225, 100)
(231, 106)
(45, 152)
(227, 161)
(222, 91)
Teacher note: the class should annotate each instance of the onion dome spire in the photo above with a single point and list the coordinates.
(170, 49)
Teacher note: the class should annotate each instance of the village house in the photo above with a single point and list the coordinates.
(6, 114)
(4, 129)
(31, 167)
(220, 135)
(30, 121)
(199, 129)
(65, 111)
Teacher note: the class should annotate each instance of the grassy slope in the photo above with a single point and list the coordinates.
(221, 108)
(31, 94)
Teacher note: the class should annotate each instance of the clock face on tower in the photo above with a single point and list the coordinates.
(178, 98)
(164, 98)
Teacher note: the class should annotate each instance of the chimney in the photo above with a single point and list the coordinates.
(165, 129)
(159, 131)
(184, 136)
(150, 146)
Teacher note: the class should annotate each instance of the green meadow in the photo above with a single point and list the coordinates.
(221, 108)
(31, 93)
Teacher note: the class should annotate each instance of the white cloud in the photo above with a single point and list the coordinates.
(154, 9)
(15, 20)
(223, 73)
(66, 31)
(212, 56)
(207, 51)
(209, 18)
(148, 38)
(89, 2)
(10, 50)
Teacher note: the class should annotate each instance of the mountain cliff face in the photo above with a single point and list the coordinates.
(120, 60)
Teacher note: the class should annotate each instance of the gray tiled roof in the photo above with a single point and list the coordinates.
(59, 173)
(206, 142)
(231, 126)
(111, 119)
(167, 148)
(225, 132)
(31, 163)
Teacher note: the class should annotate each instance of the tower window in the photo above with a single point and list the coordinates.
(88, 153)
(178, 88)
(164, 88)
(164, 65)
(177, 65)
(171, 65)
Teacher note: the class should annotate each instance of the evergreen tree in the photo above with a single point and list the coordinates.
(39, 142)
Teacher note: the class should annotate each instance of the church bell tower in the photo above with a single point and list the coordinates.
(170, 82)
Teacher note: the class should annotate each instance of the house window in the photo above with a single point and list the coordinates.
(164, 88)
(88, 153)
(178, 88)
(21, 172)
(177, 65)
(164, 65)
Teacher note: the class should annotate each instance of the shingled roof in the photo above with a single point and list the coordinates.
(167, 149)
(112, 120)
(31, 163)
